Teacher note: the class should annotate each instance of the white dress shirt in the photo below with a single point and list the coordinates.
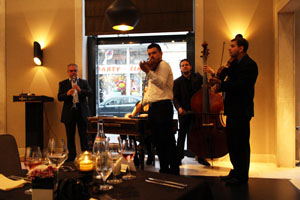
(160, 85)
(75, 95)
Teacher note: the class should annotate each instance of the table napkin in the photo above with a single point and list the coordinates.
(121, 162)
(8, 184)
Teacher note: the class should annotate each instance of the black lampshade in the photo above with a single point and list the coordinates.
(122, 15)
(37, 54)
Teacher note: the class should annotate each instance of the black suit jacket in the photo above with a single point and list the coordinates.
(86, 90)
(239, 88)
(183, 94)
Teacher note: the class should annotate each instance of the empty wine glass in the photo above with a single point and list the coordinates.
(32, 158)
(57, 153)
(128, 152)
(115, 153)
(104, 168)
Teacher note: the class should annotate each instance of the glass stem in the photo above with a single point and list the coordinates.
(114, 172)
(57, 179)
(129, 174)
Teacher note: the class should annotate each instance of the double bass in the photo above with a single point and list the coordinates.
(207, 137)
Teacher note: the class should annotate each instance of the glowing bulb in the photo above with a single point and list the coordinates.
(37, 61)
(123, 27)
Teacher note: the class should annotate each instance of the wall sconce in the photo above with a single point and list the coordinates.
(122, 15)
(37, 53)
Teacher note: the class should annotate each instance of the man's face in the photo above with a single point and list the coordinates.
(234, 49)
(155, 56)
(72, 71)
(185, 67)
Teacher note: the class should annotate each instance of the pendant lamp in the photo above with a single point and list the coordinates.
(122, 15)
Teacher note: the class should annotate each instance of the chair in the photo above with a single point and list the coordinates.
(9, 156)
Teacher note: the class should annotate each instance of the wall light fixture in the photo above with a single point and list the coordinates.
(37, 54)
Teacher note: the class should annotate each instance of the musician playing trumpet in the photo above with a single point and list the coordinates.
(74, 91)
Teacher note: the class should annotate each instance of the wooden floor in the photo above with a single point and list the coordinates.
(266, 182)
(256, 189)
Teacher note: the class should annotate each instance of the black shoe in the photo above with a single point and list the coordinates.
(175, 171)
(236, 181)
(164, 171)
(202, 161)
(225, 178)
(136, 161)
(179, 163)
(149, 160)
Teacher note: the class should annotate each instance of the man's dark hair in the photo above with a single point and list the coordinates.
(184, 60)
(154, 45)
(241, 41)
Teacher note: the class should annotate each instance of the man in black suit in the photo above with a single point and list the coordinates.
(74, 92)
(184, 88)
(238, 85)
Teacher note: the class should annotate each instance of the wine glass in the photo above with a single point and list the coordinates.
(32, 158)
(115, 153)
(104, 168)
(57, 153)
(128, 152)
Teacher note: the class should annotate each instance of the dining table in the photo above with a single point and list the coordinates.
(138, 188)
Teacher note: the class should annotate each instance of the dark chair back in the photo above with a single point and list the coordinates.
(9, 156)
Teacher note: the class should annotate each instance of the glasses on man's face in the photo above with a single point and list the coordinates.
(73, 70)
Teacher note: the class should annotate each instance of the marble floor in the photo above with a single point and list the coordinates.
(191, 167)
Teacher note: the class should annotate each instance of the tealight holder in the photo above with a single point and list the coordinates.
(85, 162)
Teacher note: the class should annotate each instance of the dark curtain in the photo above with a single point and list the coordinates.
(92, 52)
(190, 53)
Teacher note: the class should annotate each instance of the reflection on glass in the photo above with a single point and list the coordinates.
(112, 56)
(57, 154)
(104, 168)
(115, 153)
(128, 152)
(32, 158)
(118, 72)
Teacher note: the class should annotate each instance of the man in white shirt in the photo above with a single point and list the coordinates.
(160, 114)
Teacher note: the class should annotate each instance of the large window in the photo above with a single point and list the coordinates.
(119, 79)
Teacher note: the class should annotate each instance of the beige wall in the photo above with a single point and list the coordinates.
(2, 69)
(52, 24)
(286, 80)
(297, 81)
(285, 86)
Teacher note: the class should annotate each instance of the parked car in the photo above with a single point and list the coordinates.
(118, 105)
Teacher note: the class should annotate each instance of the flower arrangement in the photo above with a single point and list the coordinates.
(42, 171)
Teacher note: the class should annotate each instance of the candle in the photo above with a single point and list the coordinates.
(86, 165)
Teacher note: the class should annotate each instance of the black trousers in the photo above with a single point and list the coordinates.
(71, 130)
(184, 127)
(238, 135)
(160, 118)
